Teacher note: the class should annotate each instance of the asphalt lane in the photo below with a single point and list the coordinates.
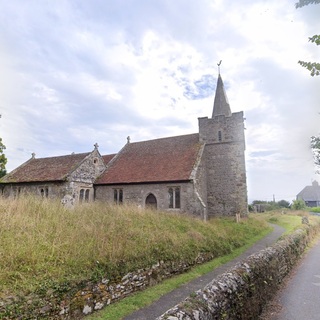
(300, 298)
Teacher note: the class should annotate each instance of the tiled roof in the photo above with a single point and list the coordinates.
(108, 157)
(159, 160)
(45, 169)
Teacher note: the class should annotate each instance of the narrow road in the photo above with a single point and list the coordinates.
(300, 298)
(176, 296)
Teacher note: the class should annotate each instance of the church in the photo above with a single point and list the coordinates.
(202, 173)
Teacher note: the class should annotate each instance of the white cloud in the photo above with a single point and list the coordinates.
(76, 73)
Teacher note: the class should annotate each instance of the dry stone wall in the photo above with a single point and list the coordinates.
(75, 300)
(242, 292)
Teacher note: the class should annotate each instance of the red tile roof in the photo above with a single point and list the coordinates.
(45, 169)
(108, 157)
(159, 160)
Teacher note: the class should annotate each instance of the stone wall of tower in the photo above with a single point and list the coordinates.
(225, 158)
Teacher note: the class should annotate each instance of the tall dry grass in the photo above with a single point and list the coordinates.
(43, 243)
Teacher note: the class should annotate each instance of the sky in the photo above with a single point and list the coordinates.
(76, 73)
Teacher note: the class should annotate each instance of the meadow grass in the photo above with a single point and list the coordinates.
(43, 244)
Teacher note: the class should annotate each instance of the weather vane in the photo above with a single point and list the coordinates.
(219, 66)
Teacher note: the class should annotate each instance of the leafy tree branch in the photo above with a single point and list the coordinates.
(313, 67)
(303, 3)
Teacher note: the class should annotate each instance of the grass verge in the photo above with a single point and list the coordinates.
(290, 220)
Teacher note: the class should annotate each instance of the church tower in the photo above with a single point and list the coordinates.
(224, 151)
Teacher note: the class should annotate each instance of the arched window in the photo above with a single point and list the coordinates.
(151, 201)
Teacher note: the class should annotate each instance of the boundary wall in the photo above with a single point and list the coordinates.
(242, 292)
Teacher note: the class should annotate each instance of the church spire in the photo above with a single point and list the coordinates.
(221, 104)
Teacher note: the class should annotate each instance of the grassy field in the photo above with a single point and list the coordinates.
(290, 220)
(43, 244)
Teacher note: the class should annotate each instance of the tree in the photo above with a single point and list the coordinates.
(3, 159)
(313, 67)
(315, 146)
(298, 205)
(283, 204)
(269, 205)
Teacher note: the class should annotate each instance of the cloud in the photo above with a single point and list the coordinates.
(76, 73)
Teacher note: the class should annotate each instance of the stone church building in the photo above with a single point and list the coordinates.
(201, 173)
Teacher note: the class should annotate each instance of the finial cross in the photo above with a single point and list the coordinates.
(219, 65)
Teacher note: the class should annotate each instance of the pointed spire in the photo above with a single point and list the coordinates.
(221, 104)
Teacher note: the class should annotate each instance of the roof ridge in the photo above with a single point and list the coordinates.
(65, 155)
(164, 138)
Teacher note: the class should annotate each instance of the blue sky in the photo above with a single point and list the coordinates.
(74, 73)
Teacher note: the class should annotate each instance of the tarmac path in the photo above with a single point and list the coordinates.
(174, 297)
(299, 299)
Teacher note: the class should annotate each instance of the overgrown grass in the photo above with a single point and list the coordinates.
(288, 219)
(138, 300)
(43, 244)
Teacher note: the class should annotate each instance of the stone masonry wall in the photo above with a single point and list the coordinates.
(227, 187)
(242, 292)
(75, 300)
(225, 164)
(89, 169)
(55, 189)
(137, 194)
(232, 128)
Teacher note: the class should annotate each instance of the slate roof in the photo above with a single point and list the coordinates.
(310, 193)
(221, 104)
(159, 160)
(45, 169)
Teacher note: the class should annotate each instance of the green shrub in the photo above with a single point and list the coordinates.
(298, 205)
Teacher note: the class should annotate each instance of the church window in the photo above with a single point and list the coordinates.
(177, 198)
(81, 195)
(118, 196)
(174, 198)
(84, 195)
(44, 192)
(170, 198)
(219, 135)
